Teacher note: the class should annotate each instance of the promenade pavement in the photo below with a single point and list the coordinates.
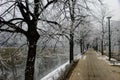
(92, 67)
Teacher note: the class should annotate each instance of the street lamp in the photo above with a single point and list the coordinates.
(109, 37)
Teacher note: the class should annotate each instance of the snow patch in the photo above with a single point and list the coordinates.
(78, 57)
(105, 58)
(78, 74)
(56, 73)
(84, 57)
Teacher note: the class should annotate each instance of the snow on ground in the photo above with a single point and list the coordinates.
(56, 73)
(84, 57)
(78, 57)
(98, 53)
(105, 58)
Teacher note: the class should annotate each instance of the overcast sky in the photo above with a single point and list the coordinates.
(114, 6)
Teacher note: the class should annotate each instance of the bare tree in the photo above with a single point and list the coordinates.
(84, 32)
(103, 13)
(18, 14)
(74, 14)
(24, 16)
(100, 13)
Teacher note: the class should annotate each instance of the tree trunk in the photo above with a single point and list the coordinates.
(71, 42)
(118, 46)
(32, 37)
(29, 71)
(102, 42)
(81, 49)
(83, 45)
(96, 44)
(102, 46)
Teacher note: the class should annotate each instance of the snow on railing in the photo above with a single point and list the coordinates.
(57, 72)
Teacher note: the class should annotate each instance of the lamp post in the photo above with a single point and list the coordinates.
(109, 37)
